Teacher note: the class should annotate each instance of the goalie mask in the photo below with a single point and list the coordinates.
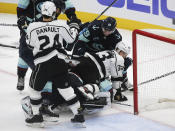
(48, 9)
(123, 47)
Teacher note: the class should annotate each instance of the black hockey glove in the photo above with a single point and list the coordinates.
(127, 62)
(22, 23)
(70, 13)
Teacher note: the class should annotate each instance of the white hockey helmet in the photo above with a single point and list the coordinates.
(121, 46)
(48, 8)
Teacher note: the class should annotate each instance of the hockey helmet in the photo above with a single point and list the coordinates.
(48, 8)
(121, 46)
(109, 24)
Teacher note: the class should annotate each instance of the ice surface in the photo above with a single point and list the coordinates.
(118, 118)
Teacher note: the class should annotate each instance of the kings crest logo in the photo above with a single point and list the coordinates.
(155, 7)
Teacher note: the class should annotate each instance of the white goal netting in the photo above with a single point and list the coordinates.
(155, 73)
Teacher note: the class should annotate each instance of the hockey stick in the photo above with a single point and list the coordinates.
(153, 79)
(5, 24)
(122, 104)
(105, 10)
(156, 78)
(9, 46)
(165, 100)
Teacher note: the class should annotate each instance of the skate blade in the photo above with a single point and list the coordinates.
(79, 125)
(131, 89)
(36, 125)
(50, 119)
(93, 111)
(51, 123)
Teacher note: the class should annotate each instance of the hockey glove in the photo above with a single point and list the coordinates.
(70, 13)
(22, 23)
(73, 24)
(105, 85)
(127, 62)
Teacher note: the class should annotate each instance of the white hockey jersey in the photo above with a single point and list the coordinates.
(46, 39)
(109, 63)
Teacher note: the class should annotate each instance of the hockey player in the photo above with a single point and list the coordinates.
(29, 11)
(46, 39)
(91, 78)
(96, 69)
(98, 36)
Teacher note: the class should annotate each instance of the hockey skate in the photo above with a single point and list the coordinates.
(35, 121)
(119, 97)
(45, 117)
(48, 114)
(79, 120)
(126, 85)
(31, 120)
(20, 84)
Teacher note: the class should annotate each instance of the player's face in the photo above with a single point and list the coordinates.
(107, 32)
(123, 54)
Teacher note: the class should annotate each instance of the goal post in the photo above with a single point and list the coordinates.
(139, 72)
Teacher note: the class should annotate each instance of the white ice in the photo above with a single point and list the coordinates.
(117, 118)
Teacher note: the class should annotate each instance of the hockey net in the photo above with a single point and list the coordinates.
(153, 71)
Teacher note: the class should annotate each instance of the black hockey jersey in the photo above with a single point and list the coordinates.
(92, 39)
(30, 8)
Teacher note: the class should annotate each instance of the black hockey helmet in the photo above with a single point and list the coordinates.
(109, 24)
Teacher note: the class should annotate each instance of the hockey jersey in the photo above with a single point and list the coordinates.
(32, 9)
(46, 39)
(92, 39)
(109, 63)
